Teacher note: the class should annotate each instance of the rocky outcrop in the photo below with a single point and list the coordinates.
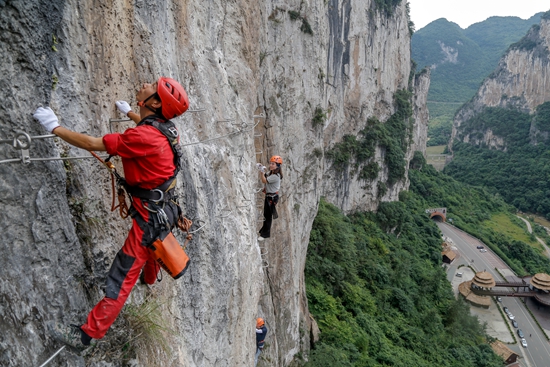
(521, 81)
(450, 54)
(421, 113)
(283, 63)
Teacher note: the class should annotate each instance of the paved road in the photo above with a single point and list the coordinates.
(537, 354)
(538, 239)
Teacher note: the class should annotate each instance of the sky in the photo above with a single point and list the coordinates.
(467, 12)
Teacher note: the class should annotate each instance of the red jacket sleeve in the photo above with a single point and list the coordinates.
(134, 142)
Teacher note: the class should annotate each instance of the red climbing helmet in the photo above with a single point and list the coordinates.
(277, 159)
(259, 322)
(172, 96)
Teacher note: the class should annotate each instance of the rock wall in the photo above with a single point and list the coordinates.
(421, 113)
(278, 61)
(521, 81)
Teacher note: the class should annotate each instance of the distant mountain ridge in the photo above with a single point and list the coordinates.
(462, 58)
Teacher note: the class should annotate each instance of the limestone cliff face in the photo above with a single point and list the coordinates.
(277, 61)
(521, 81)
(421, 113)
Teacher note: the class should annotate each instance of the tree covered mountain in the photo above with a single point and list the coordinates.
(519, 173)
(501, 137)
(460, 60)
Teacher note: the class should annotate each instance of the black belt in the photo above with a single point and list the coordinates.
(155, 195)
(162, 193)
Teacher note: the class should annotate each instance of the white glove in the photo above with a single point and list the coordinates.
(123, 107)
(260, 167)
(47, 118)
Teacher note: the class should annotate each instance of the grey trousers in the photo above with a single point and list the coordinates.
(258, 351)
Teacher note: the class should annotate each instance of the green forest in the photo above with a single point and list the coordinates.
(519, 173)
(376, 287)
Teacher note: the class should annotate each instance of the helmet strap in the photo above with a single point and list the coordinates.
(154, 110)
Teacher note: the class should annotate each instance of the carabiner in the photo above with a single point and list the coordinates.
(161, 196)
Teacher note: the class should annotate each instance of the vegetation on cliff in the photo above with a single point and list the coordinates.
(393, 136)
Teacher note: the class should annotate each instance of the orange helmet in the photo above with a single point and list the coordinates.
(172, 96)
(259, 322)
(277, 159)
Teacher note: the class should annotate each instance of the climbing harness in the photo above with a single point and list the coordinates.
(273, 199)
(160, 195)
(243, 127)
(167, 252)
(22, 142)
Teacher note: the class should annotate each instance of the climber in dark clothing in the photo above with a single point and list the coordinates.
(261, 332)
(272, 181)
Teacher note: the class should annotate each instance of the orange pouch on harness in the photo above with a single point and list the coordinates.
(170, 256)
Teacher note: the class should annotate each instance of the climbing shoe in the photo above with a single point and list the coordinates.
(71, 335)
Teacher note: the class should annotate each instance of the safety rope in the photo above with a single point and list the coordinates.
(240, 131)
(128, 119)
(121, 194)
(122, 205)
(26, 159)
(184, 225)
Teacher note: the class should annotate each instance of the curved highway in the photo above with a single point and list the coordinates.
(537, 353)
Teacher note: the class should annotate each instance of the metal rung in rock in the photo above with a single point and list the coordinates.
(52, 357)
(119, 120)
(227, 212)
(226, 120)
(198, 229)
(22, 142)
